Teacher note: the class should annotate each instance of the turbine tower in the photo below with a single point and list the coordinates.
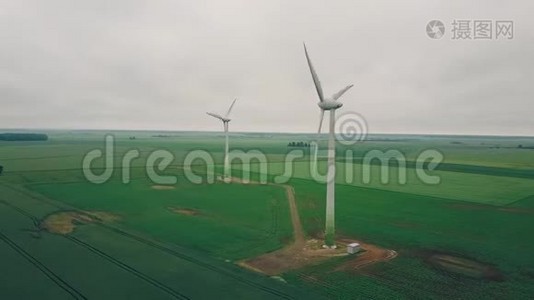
(225, 121)
(330, 104)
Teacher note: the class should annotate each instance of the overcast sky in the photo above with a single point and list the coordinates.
(162, 64)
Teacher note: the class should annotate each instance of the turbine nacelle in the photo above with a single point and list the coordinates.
(329, 104)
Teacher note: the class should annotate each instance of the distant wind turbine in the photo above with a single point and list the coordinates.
(330, 104)
(225, 121)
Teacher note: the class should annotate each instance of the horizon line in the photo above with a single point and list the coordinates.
(275, 132)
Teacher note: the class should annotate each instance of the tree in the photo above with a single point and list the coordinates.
(23, 137)
(1, 169)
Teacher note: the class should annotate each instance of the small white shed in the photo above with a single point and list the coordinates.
(353, 248)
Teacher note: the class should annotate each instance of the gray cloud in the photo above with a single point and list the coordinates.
(162, 64)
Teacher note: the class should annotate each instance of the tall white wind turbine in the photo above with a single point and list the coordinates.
(330, 104)
(225, 121)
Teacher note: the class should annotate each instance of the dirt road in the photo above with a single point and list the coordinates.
(298, 233)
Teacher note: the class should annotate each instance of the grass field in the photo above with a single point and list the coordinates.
(183, 242)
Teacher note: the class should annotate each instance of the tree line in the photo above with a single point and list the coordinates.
(299, 144)
(23, 137)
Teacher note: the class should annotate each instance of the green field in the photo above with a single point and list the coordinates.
(482, 210)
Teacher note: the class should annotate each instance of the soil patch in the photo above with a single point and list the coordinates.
(469, 267)
(184, 211)
(65, 222)
(311, 253)
(163, 187)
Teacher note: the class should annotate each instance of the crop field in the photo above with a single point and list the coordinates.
(469, 236)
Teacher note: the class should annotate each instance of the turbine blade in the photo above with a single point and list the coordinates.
(340, 93)
(215, 116)
(314, 76)
(320, 122)
(230, 109)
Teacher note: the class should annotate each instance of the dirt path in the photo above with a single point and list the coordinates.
(298, 233)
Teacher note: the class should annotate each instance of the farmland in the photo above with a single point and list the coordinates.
(470, 236)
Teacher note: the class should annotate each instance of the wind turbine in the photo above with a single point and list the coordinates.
(330, 104)
(225, 121)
